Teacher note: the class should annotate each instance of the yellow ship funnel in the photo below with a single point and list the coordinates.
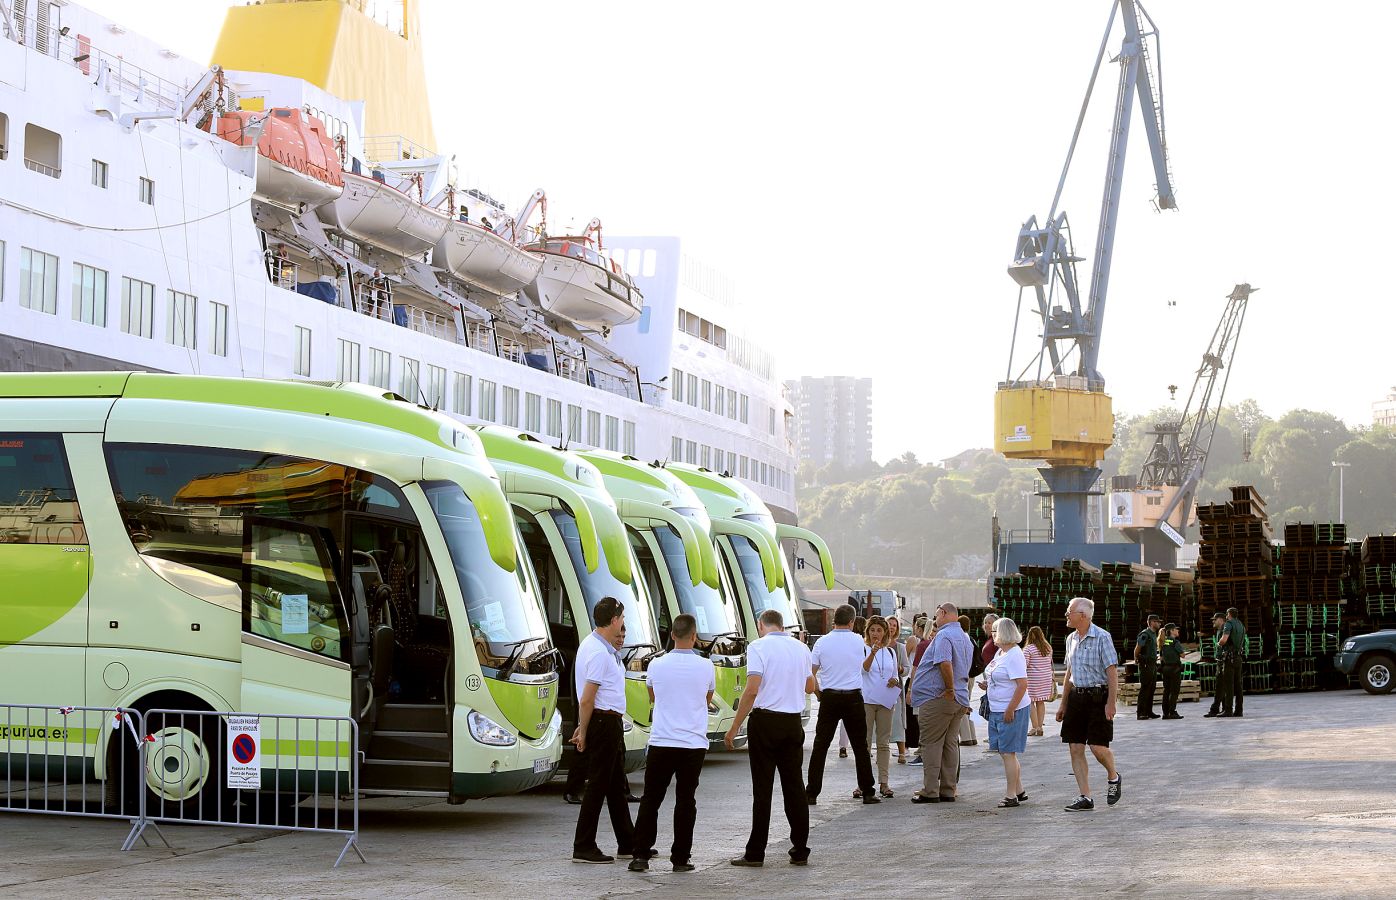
(334, 45)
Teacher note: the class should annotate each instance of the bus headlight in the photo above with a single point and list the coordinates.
(487, 731)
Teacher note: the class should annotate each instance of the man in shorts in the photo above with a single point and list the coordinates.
(1087, 710)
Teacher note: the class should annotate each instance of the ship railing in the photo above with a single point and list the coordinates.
(386, 148)
(284, 273)
(572, 369)
(480, 337)
(373, 302)
(512, 351)
(613, 384)
(34, 165)
(430, 323)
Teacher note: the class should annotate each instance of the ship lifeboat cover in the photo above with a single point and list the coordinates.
(290, 137)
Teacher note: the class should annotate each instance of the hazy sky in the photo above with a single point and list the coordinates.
(862, 171)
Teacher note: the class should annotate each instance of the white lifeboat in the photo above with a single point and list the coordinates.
(483, 259)
(579, 283)
(297, 165)
(374, 212)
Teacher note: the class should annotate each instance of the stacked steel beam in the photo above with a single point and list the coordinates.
(1236, 569)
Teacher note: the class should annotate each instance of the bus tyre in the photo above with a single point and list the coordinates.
(183, 774)
(1377, 674)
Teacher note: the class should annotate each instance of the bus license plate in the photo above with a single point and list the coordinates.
(541, 765)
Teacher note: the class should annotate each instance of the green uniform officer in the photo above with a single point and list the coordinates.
(1146, 657)
(1235, 644)
(1170, 654)
(1221, 696)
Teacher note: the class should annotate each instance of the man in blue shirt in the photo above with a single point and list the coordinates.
(940, 694)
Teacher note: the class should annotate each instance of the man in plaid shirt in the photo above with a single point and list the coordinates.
(1087, 710)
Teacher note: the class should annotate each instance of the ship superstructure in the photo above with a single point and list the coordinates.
(160, 214)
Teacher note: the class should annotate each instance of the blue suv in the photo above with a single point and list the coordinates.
(1372, 658)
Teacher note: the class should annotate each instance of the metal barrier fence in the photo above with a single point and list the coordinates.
(277, 772)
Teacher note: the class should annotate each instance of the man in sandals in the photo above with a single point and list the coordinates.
(1087, 710)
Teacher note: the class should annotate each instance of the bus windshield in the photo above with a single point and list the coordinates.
(506, 620)
(640, 629)
(705, 603)
(749, 561)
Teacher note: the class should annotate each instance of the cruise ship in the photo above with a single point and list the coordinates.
(283, 212)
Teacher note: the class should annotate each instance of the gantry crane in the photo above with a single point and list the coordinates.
(1053, 406)
(1155, 509)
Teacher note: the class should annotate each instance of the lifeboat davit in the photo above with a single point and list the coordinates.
(296, 161)
(374, 212)
(579, 283)
(483, 259)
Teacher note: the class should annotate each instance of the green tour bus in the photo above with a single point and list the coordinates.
(659, 511)
(748, 540)
(222, 544)
(577, 544)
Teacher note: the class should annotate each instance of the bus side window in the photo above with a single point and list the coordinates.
(290, 593)
(37, 501)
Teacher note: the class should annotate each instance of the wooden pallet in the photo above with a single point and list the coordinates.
(1188, 692)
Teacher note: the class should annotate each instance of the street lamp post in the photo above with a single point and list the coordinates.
(1340, 466)
(1027, 517)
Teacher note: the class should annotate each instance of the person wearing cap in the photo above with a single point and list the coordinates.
(1146, 658)
(1170, 654)
(1221, 696)
(600, 737)
(1232, 647)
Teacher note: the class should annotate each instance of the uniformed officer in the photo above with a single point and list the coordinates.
(681, 685)
(1146, 658)
(1234, 637)
(600, 737)
(1170, 654)
(1221, 697)
(779, 675)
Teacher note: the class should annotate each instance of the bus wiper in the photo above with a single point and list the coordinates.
(736, 636)
(508, 667)
(633, 648)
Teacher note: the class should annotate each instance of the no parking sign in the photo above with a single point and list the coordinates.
(244, 753)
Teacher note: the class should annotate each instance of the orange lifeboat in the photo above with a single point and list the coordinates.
(296, 161)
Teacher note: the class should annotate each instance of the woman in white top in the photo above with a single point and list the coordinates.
(882, 691)
(1006, 680)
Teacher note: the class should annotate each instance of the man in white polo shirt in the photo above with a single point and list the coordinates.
(778, 678)
(681, 686)
(600, 737)
(838, 666)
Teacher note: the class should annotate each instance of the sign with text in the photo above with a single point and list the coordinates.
(244, 753)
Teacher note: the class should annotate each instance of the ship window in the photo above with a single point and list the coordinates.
(436, 387)
(628, 438)
(220, 331)
(147, 191)
(676, 449)
(411, 380)
(138, 307)
(612, 433)
(720, 401)
(555, 418)
(731, 403)
(181, 327)
(707, 395)
(690, 452)
(43, 151)
(302, 351)
(594, 428)
(348, 360)
(89, 295)
(533, 413)
(732, 464)
(461, 402)
(510, 400)
(4, 136)
(691, 392)
(99, 173)
(706, 457)
(38, 281)
(574, 423)
(487, 401)
(746, 466)
(380, 367)
(746, 408)
(647, 267)
(676, 379)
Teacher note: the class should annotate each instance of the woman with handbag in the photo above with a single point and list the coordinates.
(1042, 685)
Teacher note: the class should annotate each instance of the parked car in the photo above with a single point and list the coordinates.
(1372, 658)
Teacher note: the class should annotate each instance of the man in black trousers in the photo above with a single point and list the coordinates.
(1146, 657)
(681, 685)
(778, 678)
(838, 666)
(600, 734)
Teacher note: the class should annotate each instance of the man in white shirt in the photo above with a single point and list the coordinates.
(838, 666)
(778, 678)
(600, 737)
(681, 685)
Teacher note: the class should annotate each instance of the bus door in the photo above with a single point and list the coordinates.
(296, 629)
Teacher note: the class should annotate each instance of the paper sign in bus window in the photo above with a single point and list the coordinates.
(295, 613)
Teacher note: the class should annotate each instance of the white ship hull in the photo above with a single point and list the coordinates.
(284, 186)
(584, 293)
(377, 214)
(484, 260)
